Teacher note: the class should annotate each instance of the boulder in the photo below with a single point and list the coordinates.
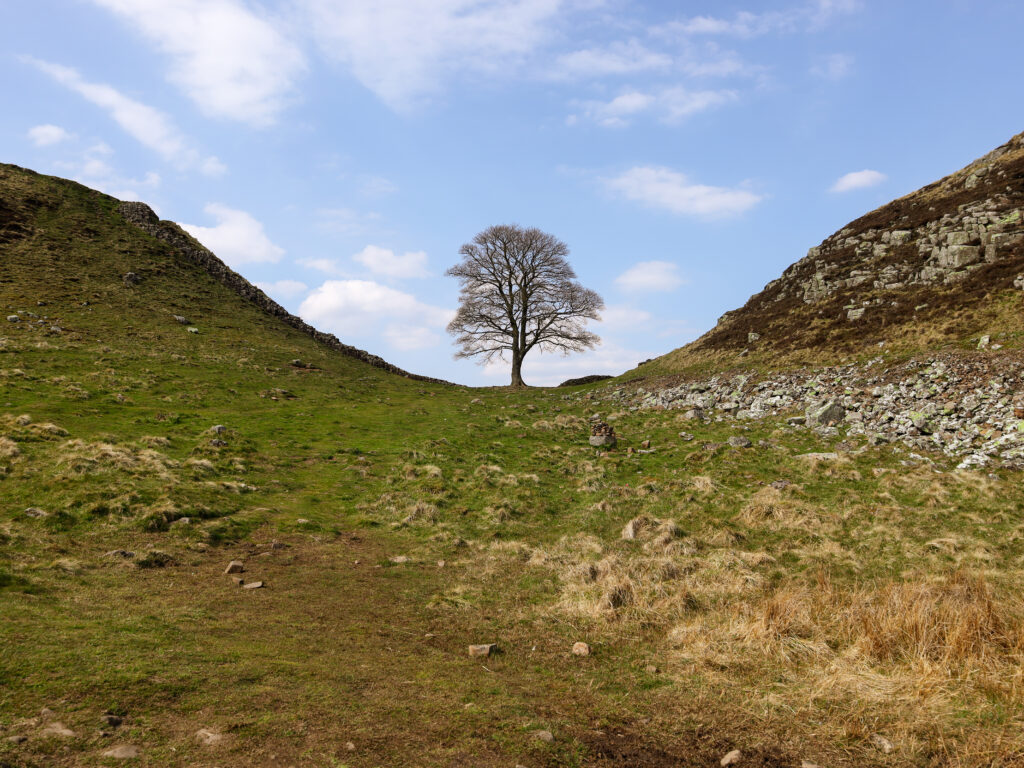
(483, 650)
(825, 414)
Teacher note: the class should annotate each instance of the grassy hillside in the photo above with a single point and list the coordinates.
(796, 608)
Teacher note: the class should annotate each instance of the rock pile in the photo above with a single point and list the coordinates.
(602, 434)
(971, 407)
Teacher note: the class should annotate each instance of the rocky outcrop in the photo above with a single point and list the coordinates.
(143, 217)
(949, 246)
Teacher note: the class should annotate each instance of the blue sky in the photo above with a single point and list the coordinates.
(339, 153)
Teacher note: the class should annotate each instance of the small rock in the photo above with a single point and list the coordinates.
(399, 559)
(218, 429)
(580, 649)
(57, 728)
(731, 758)
(298, 364)
(441, 563)
(17, 739)
(238, 580)
(483, 650)
(208, 738)
(36, 512)
(740, 441)
(131, 279)
(645, 444)
(652, 669)
(599, 441)
(830, 456)
(545, 736)
(13, 319)
(112, 720)
(686, 436)
(235, 566)
(192, 329)
(984, 341)
(880, 742)
(217, 443)
(253, 585)
(350, 747)
(182, 320)
(808, 764)
(123, 752)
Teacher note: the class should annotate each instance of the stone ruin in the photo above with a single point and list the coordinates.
(602, 435)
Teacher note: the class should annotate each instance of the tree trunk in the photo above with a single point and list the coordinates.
(517, 368)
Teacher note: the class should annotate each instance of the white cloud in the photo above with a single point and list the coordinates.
(231, 62)
(236, 239)
(327, 266)
(619, 58)
(384, 261)
(833, 67)
(148, 126)
(46, 135)
(620, 317)
(404, 50)
(345, 221)
(377, 186)
(671, 104)
(651, 276)
(858, 180)
(285, 289)
(671, 191)
(409, 337)
(93, 170)
(808, 17)
(364, 308)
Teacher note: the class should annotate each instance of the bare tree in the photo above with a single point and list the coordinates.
(518, 292)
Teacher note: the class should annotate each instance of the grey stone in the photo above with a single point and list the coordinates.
(235, 566)
(36, 512)
(208, 737)
(13, 319)
(219, 429)
(253, 585)
(599, 441)
(546, 736)
(740, 441)
(483, 650)
(825, 414)
(192, 329)
(881, 743)
(123, 752)
(855, 314)
(17, 739)
(580, 649)
(182, 320)
(57, 728)
(732, 758)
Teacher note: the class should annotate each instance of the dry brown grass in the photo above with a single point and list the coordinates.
(8, 448)
(78, 457)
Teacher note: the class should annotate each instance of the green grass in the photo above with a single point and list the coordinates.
(357, 465)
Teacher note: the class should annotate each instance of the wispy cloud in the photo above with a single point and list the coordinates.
(384, 261)
(284, 289)
(404, 50)
(237, 238)
(651, 276)
(746, 24)
(147, 125)
(93, 169)
(47, 135)
(232, 62)
(671, 191)
(858, 180)
(617, 58)
(670, 105)
(833, 67)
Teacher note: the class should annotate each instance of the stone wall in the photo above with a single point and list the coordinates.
(143, 217)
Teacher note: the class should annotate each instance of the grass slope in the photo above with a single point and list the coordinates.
(873, 595)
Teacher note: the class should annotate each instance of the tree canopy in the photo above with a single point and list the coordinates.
(518, 293)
